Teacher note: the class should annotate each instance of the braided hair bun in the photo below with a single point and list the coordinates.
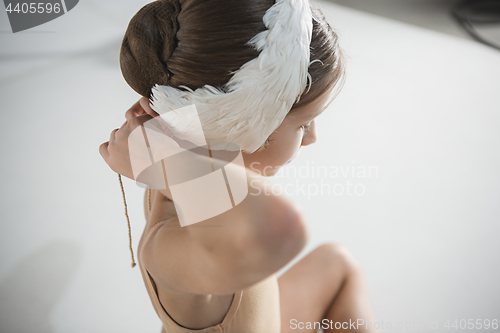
(194, 43)
(149, 42)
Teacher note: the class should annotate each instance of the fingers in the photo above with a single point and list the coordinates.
(137, 121)
(122, 133)
(144, 102)
(139, 108)
(135, 111)
(103, 150)
(112, 135)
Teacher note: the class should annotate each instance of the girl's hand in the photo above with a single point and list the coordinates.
(121, 148)
(116, 151)
(140, 108)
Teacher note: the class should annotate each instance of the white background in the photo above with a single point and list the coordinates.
(420, 106)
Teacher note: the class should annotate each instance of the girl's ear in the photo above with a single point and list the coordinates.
(144, 102)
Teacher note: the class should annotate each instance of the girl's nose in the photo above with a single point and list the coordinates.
(310, 137)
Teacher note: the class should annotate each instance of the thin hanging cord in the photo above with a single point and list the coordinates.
(149, 199)
(128, 221)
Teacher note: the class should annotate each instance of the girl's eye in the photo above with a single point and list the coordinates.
(306, 128)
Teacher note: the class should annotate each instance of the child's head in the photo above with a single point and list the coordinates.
(201, 42)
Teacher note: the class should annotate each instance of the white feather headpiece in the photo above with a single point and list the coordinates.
(259, 94)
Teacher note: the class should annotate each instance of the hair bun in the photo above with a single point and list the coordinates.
(148, 43)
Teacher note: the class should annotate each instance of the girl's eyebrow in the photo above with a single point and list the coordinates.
(327, 105)
(301, 117)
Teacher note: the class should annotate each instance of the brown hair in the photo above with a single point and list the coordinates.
(195, 42)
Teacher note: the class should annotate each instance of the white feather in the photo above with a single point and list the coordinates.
(259, 94)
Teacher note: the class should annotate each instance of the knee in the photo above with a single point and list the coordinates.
(336, 257)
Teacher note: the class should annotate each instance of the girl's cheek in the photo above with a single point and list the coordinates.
(293, 148)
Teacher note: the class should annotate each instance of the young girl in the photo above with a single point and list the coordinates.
(270, 67)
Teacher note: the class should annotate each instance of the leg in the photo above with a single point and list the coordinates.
(326, 284)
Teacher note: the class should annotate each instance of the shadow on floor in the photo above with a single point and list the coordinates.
(30, 291)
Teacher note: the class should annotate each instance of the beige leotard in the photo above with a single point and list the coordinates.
(252, 310)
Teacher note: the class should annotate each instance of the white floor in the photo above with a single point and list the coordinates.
(420, 110)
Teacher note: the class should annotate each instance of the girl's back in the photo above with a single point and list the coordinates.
(254, 309)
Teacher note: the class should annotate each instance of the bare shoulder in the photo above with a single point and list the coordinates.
(225, 254)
